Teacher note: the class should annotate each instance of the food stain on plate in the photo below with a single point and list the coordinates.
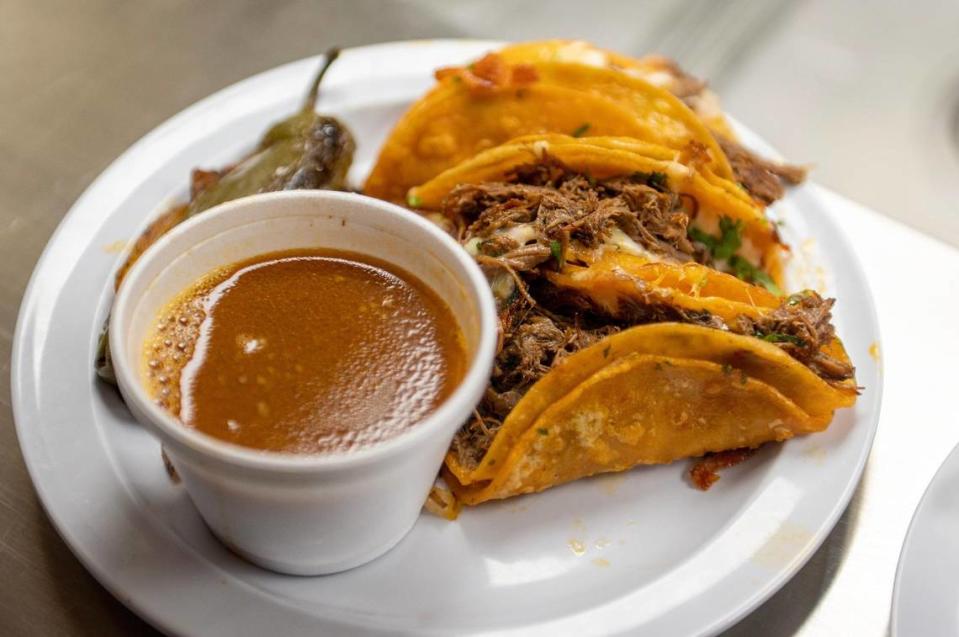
(817, 454)
(577, 546)
(581, 544)
(783, 546)
(820, 285)
(874, 352)
(806, 272)
(610, 482)
(115, 247)
(818, 272)
(601, 562)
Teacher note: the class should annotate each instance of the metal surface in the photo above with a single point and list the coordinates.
(79, 82)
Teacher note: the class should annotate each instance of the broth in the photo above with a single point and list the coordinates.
(307, 351)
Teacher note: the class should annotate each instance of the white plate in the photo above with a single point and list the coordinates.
(925, 600)
(639, 551)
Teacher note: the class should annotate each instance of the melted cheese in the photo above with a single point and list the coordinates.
(503, 286)
(621, 242)
(521, 234)
(472, 246)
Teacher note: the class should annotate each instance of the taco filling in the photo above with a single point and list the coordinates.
(765, 180)
(545, 220)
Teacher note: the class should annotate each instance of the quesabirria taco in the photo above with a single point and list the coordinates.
(722, 217)
(491, 101)
(641, 316)
(763, 179)
(574, 88)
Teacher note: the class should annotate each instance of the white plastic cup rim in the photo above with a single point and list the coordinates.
(462, 400)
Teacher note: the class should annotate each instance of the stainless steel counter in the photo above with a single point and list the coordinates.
(866, 95)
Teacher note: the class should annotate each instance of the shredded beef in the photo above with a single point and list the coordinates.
(763, 179)
(535, 343)
(557, 205)
(802, 326)
(528, 353)
(683, 85)
(705, 472)
(645, 307)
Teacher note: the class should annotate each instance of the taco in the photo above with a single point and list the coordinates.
(489, 102)
(765, 180)
(622, 343)
(733, 230)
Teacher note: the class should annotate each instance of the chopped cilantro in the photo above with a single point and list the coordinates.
(779, 337)
(766, 281)
(413, 201)
(556, 249)
(743, 378)
(730, 238)
(606, 351)
(724, 247)
(657, 181)
(581, 129)
(542, 431)
(704, 238)
(746, 271)
(727, 369)
(726, 244)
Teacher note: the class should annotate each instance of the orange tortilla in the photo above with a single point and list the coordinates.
(450, 126)
(604, 157)
(641, 409)
(740, 356)
(454, 122)
(666, 120)
(654, 69)
(616, 277)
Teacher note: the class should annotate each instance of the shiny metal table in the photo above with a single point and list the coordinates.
(79, 82)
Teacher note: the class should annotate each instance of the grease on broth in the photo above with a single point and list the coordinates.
(305, 351)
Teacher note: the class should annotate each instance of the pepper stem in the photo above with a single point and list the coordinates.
(328, 60)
